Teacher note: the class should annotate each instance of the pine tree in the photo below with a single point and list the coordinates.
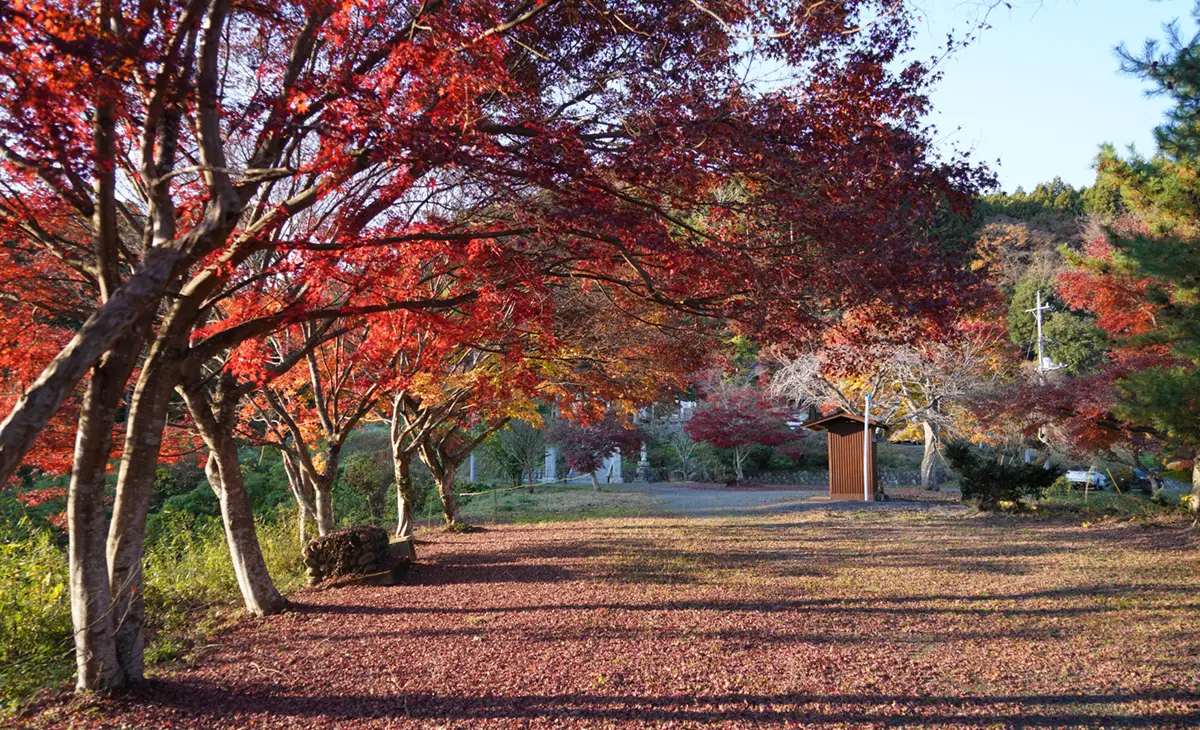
(1163, 192)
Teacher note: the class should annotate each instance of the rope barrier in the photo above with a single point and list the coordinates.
(564, 480)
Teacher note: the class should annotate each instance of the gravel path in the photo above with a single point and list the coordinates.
(831, 620)
(678, 499)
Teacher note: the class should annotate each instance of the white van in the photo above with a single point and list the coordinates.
(1080, 476)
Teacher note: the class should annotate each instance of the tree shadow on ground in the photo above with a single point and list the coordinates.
(932, 604)
(213, 703)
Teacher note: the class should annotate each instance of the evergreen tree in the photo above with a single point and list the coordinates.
(1163, 191)
(1074, 341)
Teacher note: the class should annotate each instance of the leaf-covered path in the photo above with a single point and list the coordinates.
(839, 619)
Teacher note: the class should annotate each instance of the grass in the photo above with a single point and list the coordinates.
(554, 503)
(1107, 503)
(932, 618)
(35, 615)
(190, 590)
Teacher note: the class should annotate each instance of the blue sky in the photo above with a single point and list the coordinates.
(1041, 89)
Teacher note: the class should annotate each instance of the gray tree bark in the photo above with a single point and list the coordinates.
(259, 593)
(739, 457)
(405, 496)
(303, 493)
(135, 485)
(323, 488)
(445, 486)
(215, 423)
(1194, 498)
(929, 475)
(91, 595)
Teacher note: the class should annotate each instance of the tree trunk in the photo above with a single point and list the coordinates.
(929, 475)
(595, 482)
(445, 485)
(237, 514)
(405, 498)
(1193, 499)
(91, 594)
(739, 456)
(258, 590)
(135, 486)
(374, 508)
(324, 496)
(401, 468)
(303, 493)
(323, 486)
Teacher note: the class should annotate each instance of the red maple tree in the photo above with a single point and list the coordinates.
(587, 446)
(227, 170)
(740, 418)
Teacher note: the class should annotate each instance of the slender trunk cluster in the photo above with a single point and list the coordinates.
(304, 494)
(135, 486)
(739, 458)
(91, 591)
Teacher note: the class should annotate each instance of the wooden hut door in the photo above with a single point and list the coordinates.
(846, 461)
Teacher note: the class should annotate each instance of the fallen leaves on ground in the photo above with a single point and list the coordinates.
(876, 618)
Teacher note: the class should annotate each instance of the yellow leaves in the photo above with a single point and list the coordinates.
(523, 409)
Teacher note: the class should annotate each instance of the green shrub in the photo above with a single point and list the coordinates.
(35, 613)
(1060, 488)
(188, 569)
(187, 572)
(990, 480)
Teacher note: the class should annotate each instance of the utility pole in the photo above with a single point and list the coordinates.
(1041, 348)
(1042, 367)
(867, 450)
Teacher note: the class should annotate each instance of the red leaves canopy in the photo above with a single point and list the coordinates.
(585, 447)
(275, 162)
(740, 417)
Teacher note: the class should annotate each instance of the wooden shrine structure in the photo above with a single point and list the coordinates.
(846, 456)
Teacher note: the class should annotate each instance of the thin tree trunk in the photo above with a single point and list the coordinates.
(595, 481)
(91, 594)
(304, 495)
(401, 468)
(135, 486)
(738, 457)
(929, 476)
(237, 514)
(445, 484)
(258, 590)
(323, 486)
(405, 497)
(1194, 498)
(373, 507)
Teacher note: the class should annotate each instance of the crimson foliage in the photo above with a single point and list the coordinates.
(586, 447)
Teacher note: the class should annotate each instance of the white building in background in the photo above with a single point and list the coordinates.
(609, 473)
(550, 474)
